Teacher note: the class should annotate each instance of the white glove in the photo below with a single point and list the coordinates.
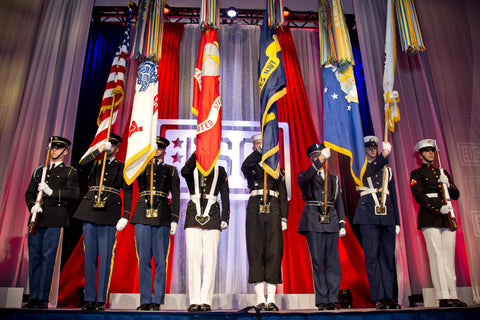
(444, 179)
(224, 225)
(397, 230)
(284, 225)
(36, 209)
(108, 146)
(326, 153)
(342, 232)
(173, 227)
(445, 209)
(387, 148)
(121, 224)
(42, 186)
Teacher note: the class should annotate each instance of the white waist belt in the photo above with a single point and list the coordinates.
(259, 192)
(432, 195)
(203, 196)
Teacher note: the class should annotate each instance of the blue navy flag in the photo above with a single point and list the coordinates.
(342, 123)
(272, 82)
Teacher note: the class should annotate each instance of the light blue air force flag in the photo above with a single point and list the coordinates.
(342, 123)
(272, 82)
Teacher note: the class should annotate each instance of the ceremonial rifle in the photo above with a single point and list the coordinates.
(32, 225)
(450, 216)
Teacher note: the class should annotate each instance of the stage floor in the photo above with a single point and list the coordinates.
(472, 312)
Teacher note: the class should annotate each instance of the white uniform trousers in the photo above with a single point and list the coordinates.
(201, 244)
(441, 255)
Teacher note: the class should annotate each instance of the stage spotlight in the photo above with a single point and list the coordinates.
(286, 12)
(166, 9)
(231, 12)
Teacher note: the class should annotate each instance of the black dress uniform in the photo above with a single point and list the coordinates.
(43, 245)
(378, 232)
(152, 234)
(99, 232)
(203, 222)
(264, 230)
(322, 234)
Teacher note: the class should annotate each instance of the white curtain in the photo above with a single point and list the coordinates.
(43, 47)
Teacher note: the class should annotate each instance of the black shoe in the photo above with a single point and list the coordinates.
(261, 306)
(155, 306)
(99, 306)
(459, 304)
(391, 304)
(332, 306)
(31, 304)
(89, 306)
(381, 305)
(42, 305)
(322, 306)
(272, 307)
(194, 308)
(144, 306)
(205, 307)
(446, 303)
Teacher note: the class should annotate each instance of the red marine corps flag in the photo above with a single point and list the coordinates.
(206, 102)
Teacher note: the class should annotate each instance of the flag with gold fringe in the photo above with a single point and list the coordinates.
(147, 40)
(391, 97)
(408, 26)
(113, 94)
(343, 130)
(207, 105)
(272, 82)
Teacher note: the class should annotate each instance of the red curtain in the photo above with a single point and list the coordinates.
(293, 108)
(125, 272)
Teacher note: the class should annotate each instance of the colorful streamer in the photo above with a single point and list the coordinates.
(408, 26)
(209, 14)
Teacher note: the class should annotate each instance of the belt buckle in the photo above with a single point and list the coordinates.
(151, 213)
(324, 218)
(264, 207)
(380, 211)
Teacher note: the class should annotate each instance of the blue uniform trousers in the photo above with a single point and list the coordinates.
(42, 252)
(152, 241)
(99, 245)
(323, 248)
(379, 249)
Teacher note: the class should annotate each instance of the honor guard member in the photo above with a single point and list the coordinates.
(264, 224)
(203, 223)
(322, 228)
(426, 186)
(59, 188)
(379, 224)
(102, 216)
(155, 218)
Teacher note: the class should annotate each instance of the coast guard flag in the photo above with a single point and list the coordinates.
(207, 105)
(342, 123)
(142, 132)
(115, 86)
(272, 82)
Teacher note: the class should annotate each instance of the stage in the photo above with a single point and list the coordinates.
(472, 312)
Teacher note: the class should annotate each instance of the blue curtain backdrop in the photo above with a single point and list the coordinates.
(103, 40)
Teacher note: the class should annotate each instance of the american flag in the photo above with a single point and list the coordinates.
(113, 93)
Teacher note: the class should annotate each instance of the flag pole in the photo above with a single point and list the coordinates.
(325, 204)
(384, 182)
(99, 203)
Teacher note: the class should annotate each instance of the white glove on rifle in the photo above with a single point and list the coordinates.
(42, 186)
(121, 224)
(445, 209)
(397, 230)
(342, 232)
(444, 179)
(326, 153)
(284, 225)
(36, 209)
(173, 227)
(223, 225)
